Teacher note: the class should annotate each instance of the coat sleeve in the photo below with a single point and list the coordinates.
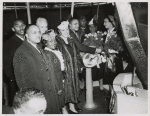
(24, 70)
(84, 48)
(8, 52)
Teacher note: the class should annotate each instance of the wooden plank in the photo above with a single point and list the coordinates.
(132, 41)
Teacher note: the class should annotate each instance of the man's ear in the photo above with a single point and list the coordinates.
(13, 29)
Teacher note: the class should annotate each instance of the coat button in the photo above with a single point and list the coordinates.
(50, 90)
(55, 60)
(48, 79)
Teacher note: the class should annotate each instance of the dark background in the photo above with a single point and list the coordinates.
(52, 15)
(140, 11)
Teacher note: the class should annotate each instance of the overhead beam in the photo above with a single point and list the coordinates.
(84, 4)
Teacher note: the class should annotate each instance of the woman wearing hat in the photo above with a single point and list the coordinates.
(113, 48)
(71, 87)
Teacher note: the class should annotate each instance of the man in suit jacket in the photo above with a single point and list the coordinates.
(8, 53)
(32, 69)
(74, 27)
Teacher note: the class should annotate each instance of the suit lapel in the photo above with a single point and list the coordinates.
(33, 51)
(72, 34)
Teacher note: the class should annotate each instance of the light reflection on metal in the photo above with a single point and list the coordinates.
(15, 11)
(60, 12)
(28, 12)
(97, 11)
(72, 8)
(36, 6)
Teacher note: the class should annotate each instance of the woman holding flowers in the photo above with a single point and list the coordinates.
(112, 49)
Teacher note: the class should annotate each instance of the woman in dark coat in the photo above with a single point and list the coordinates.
(69, 45)
(71, 87)
(114, 47)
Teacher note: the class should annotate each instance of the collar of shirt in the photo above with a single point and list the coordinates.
(109, 32)
(83, 28)
(20, 37)
(34, 45)
(75, 33)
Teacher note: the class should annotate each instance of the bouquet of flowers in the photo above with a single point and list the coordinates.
(113, 44)
(94, 40)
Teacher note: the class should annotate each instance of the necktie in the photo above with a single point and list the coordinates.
(76, 34)
(39, 48)
(44, 57)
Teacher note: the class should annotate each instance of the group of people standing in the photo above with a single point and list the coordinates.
(50, 61)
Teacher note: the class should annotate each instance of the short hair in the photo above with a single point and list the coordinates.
(24, 95)
(82, 17)
(72, 19)
(111, 19)
(17, 20)
(40, 19)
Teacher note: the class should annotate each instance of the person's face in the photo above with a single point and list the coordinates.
(92, 28)
(83, 23)
(33, 106)
(74, 25)
(34, 35)
(19, 27)
(43, 27)
(51, 43)
(64, 32)
(107, 24)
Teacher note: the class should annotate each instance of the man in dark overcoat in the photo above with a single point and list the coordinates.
(32, 69)
(10, 47)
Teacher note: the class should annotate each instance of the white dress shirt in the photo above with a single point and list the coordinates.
(20, 37)
(34, 45)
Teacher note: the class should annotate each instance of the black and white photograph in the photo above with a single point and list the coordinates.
(74, 57)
